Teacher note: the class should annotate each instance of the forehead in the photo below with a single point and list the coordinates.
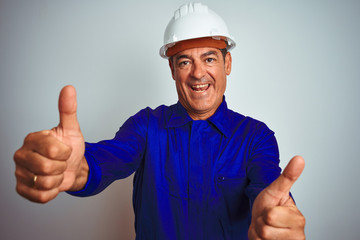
(198, 52)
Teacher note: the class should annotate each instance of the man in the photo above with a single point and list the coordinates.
(202, 170)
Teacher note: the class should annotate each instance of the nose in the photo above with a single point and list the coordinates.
(198, 70)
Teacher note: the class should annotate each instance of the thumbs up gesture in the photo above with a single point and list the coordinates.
(274, 213)
(52, 161)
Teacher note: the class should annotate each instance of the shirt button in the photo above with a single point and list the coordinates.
(221, 178)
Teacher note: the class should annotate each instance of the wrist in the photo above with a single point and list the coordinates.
(81, 177)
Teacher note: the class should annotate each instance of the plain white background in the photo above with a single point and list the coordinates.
(295, 67)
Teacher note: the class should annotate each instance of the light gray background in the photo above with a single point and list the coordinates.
(295, 67)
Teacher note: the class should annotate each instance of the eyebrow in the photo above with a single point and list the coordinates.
(202, 55)
(209, 53)
(182, 56)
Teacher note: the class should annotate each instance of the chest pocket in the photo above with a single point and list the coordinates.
(232, 191)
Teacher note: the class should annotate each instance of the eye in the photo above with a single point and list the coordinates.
(183, 63)
(210, 60)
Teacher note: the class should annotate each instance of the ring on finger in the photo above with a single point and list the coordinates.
(34, 181)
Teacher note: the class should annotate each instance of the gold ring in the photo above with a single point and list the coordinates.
(34, 180)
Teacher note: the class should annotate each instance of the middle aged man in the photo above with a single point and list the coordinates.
(202, 170)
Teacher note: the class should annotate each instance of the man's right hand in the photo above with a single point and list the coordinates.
(52, 161)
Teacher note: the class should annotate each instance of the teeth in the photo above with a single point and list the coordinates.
(200, 86)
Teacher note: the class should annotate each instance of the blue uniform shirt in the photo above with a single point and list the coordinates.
(194, 179)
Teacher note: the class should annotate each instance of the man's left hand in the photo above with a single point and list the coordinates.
(274, 213)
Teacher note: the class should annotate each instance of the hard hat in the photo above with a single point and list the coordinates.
(195, 20)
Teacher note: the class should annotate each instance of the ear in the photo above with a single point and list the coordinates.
(171, 68)
(228, 62)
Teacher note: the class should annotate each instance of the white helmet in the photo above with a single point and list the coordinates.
(195, 20)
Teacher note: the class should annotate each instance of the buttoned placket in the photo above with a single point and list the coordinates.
(202, 160)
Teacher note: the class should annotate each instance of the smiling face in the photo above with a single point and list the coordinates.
(200, 76)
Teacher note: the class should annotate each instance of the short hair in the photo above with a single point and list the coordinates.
(224, 51)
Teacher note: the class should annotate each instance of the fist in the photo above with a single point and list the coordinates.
(52, 161)
(274, 213)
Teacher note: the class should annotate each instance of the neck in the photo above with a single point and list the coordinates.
(200, 114)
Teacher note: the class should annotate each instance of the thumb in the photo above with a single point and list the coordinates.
(67, 108)
(289, 176)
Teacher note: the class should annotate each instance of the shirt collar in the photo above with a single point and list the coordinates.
(179, 116)
(220, 119)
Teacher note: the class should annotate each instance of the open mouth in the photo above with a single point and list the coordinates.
(200, 88)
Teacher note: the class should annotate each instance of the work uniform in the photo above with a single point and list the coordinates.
(195, 179)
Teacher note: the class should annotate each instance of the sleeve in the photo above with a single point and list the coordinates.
(263, 165)
(118, 158)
